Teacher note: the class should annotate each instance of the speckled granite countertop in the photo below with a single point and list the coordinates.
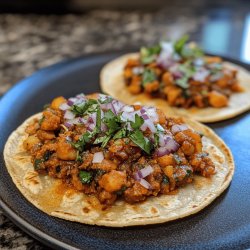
(30, 42)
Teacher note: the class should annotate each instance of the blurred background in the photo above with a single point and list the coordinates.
(36, 34)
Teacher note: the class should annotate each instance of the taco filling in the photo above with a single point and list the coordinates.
(180, 73)
(102, 147)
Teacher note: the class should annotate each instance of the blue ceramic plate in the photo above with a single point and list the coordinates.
(223, 224)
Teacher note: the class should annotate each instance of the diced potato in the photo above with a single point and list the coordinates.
(113, 181)
(55, 104)
(167, 78)
(169, 171)
(152, 86)
(30, 142)
(217, 99)
(166, 160)
(65, 151)
(172, 94)
(135, 86)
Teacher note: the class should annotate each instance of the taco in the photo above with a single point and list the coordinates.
(177, 77)
(95, 160)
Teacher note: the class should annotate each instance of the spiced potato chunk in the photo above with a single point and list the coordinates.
(102, 147)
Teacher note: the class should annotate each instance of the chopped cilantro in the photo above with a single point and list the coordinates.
(78, 157)
(85, 177)
(98, 119)
(138, 138)
(41, 120)
(179, 44)
(148, 76)
(165, 180)
(109, 99)
(121, 191)
(84, 139)
(46, 106)
(188, 173)
(182, 82)
(148, 55)
(47, 155)
(138, 122)
(37, 163)
(112, 122)
(120, 134)
(87, 107)
(177, 158)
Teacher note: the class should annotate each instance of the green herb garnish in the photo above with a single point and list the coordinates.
(41, 120)
(165, 180)
(138, 122)
(38, 163)
(138, 138)
(148, 76)
(148, 55)
(85, 177)
(179, 44)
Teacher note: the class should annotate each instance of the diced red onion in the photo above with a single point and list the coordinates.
(160, 128)
(198, 62)
(177, 74)
(81, 96)
(117, 106)
(128, 116)
(178, 128)
(143, 110)
(145, 184)
(148, 124)
(215, 77)
(71, 101)
(137, 70)
(145, 116)
(68, 124)
(165, 60)
(98, 157)
(151, 112)
(171, 146)
(201, 75)
(144, 172)
(64, 106)
(91, 127)
(128, 108)
(69, 115)
(104, 128)
(68, 139)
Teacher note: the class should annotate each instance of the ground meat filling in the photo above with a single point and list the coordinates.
(125, 170)
(180, 73)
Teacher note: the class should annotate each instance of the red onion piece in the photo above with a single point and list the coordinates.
(145, 116)
(128, 108)
(145, 184)
(201, 75)
(148, 124)
(160, 128)
(178, 128)
(68, 124)
(69, 115)
(64, 106)
(151, 112)
(98, 157)
(144, 172)
(171, 146)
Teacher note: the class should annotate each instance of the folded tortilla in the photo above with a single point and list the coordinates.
(55, 198)
(112, 83)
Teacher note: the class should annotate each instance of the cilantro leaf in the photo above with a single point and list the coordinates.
(87, 107)
(85, 177)
(138, 138)
(179, 44)
(84, 139)
(138, 122)
(120, 134)
(148, 55)
(182, 82)
(109, 99)
(110, 119)
(98, 119)
(148, 76)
